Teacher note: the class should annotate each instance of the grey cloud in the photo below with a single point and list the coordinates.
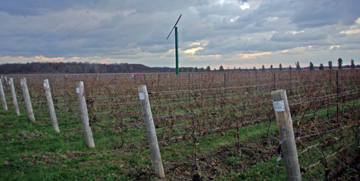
(346, 39)
(305, 36)
(125, 29)
(40, 7)
(349, 47)
(324, 12)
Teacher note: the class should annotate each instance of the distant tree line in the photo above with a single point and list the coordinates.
(75, 67)
(297, 66)
(79, 67)
(312, 67)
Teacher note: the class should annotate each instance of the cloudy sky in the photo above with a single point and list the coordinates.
(232, 33)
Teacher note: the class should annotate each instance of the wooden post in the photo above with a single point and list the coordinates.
(337, 95)
(54, 121)
(274, 81)
(290, 84)
(287, 141)
(84, 115)
(151, 133)
(13, 95)
(2, 94)
(27, 100)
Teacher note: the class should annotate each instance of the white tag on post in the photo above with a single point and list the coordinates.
(44, 84)
(141, 96)
(279, 106)
(77, 90)
(21, 82)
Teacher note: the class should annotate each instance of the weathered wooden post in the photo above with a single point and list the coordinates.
(84, 115)
(13, 95)
(2, 94)
(3, 80)
(287, 141)
(151, 133)
(54, 121)
(27, 100)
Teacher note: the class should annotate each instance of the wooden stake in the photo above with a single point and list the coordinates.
(2, 94)
(54, 121)
(151, 133)
(84, 115)
(13, 95)
(287, 141)
(27, 100)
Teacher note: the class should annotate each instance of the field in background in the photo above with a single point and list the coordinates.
(218, 125)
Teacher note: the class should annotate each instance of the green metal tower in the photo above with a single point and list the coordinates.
(176, 45)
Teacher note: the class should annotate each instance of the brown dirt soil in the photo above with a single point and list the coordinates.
(213, 164)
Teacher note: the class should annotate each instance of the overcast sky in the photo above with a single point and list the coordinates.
(232, 33)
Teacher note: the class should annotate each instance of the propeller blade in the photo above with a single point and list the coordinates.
(174, 26)
(170, 33)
